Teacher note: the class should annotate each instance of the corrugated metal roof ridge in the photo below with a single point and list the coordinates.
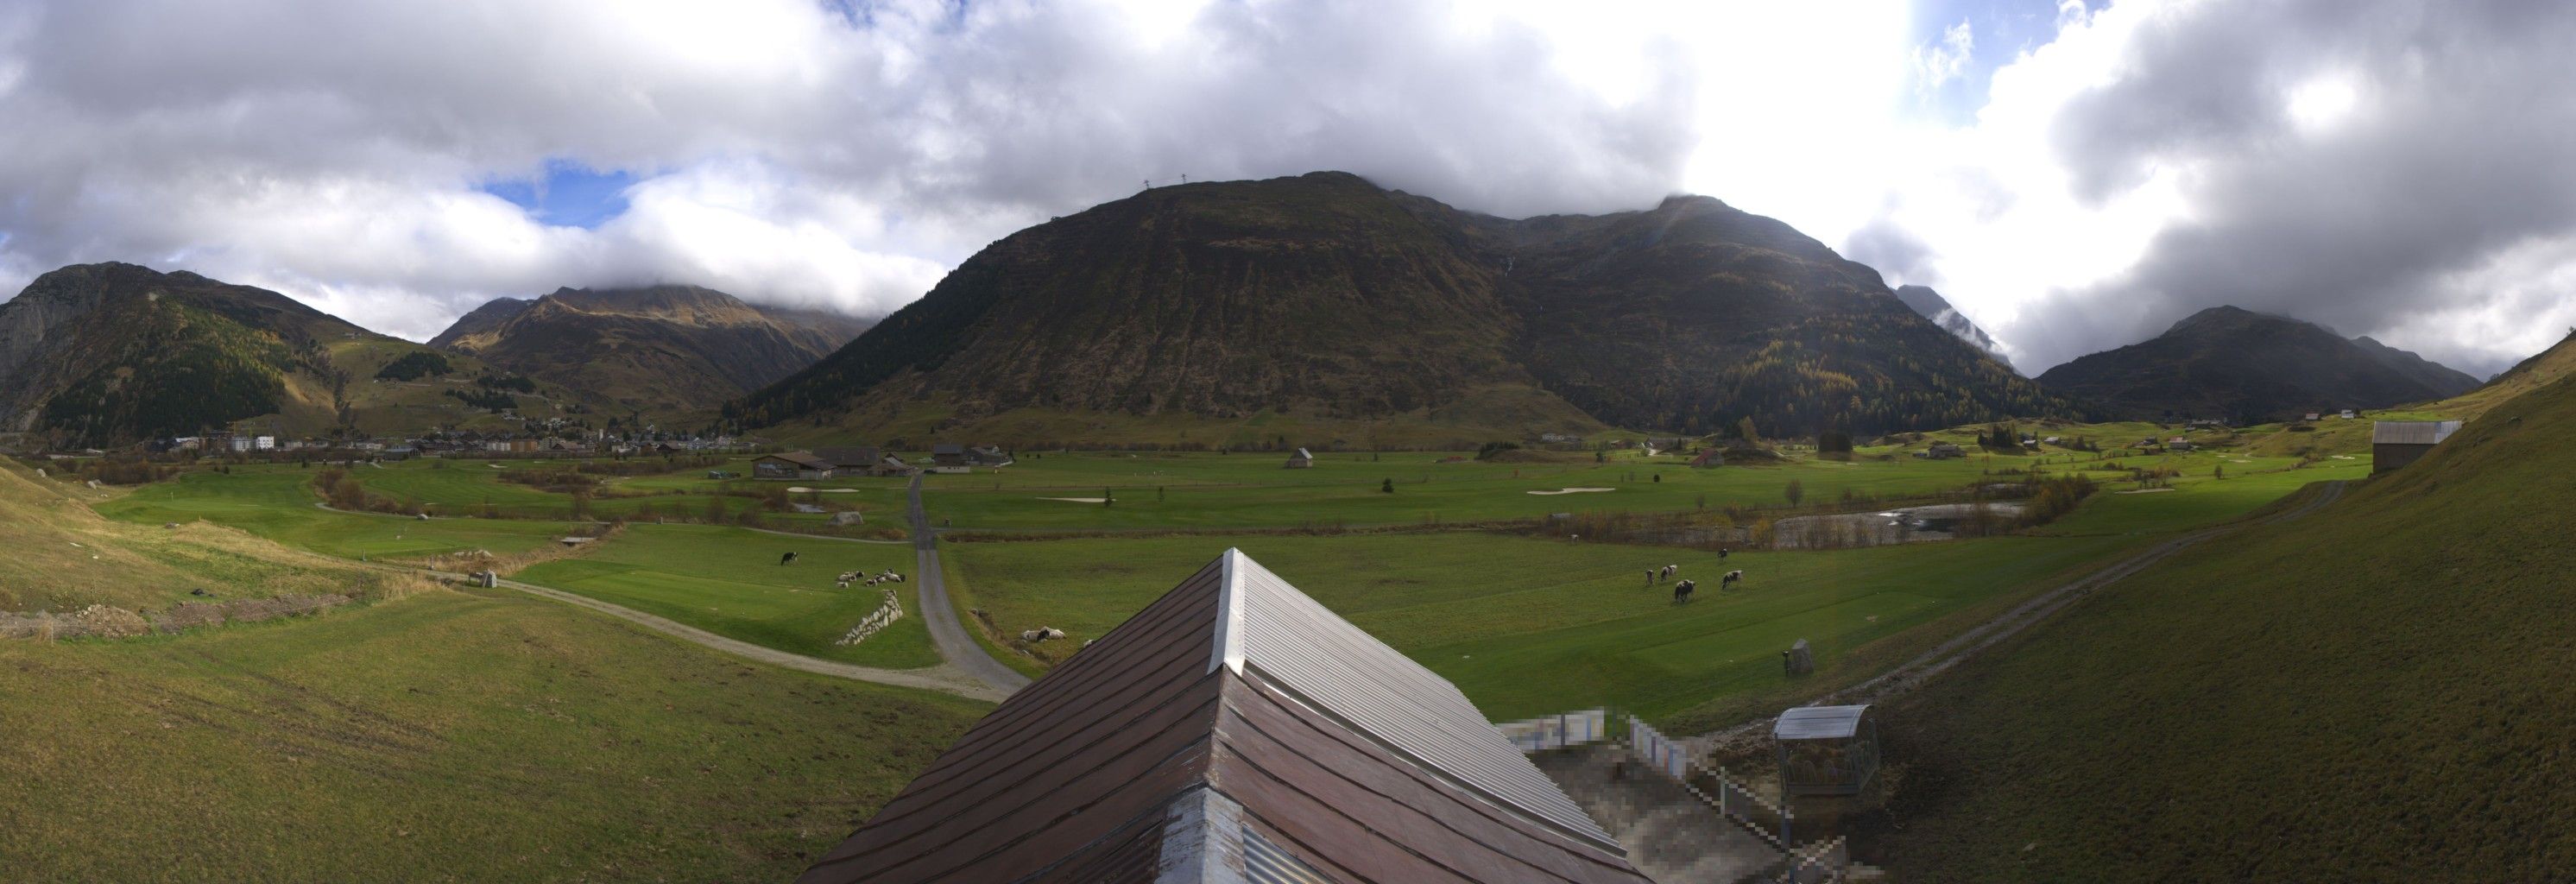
(1130, 853)
(1423, 718)
(1228, 641)
(1074, 715)
(1004, 729)
(1174, 619)
(1398, 782)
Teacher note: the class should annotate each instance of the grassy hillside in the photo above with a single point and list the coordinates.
(62, 555)
(446, 737)
(2374, 692)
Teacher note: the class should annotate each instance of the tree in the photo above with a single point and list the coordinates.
(1796, 491)
(1744, 430)
(1387, 486)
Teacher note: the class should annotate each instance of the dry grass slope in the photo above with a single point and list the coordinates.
(63, 556)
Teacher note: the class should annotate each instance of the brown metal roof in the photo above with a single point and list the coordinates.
(1145, 758)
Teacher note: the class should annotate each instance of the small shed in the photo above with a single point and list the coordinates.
(2394, 444)
(1708, 458)
(1301, 460)
(1826, 750)
(948, 454)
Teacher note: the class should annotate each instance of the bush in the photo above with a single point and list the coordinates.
(1490, 449)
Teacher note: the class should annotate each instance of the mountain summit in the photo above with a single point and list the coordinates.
(2236, 364)
(1326, 297)
(113, 353)
(667, 349)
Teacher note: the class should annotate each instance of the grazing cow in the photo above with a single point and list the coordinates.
(1731, 578)
(786, 558)
(1682, 591)
(840, 584)
(1721, 552)
(1040, 634)
(898, 578)
(1650, 577)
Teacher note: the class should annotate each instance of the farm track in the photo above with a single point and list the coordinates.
(944, 678)
(1913, 673)
(940, 615)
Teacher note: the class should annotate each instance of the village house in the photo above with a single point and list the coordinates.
(1941, 451)
(2394, 444)
(850, 460)
(1303, 459)
(948, 454)
(791, 465)
(988, 456)
(1708, 459)
(2178, 443)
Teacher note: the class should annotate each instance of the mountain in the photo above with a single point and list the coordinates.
(2236, 364)
(1324, 303)
(665, 349)
(1933, 307)
(2373, 692)
(477, 324)
(103, 354)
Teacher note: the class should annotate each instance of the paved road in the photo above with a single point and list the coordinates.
(938, 613)
(1985, 635)
(945, 678)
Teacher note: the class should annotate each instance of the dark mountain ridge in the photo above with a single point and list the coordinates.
(1936, 308)
(111, 353)
(2235, 364)
(665, 349)
(1324, 294)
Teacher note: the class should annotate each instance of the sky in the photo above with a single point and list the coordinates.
(2072, 176)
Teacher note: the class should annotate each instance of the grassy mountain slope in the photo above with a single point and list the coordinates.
(661, 350)
(2373, 692)
(1323, 300)
(2248, 367)
(64, 556)
(113, 353)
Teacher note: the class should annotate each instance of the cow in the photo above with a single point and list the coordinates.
(785, 558)
(1731, 578)
(1721, 552)
(1682, 591)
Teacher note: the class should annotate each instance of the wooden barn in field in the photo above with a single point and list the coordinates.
(1301, 460)
(2394, 444)
(1233, 731)
(791, 465)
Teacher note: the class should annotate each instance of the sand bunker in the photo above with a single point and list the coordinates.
(2143, 491)
(1078, 499)
(2345, 457)
(1573, 490)
(804, 490)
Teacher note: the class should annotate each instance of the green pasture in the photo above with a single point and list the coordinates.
(1531, 626)
(445, 737)
(277, 502)
(728, 581)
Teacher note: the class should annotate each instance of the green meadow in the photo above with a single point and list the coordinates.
(444, 737)
(1530, 626)
(728, 581)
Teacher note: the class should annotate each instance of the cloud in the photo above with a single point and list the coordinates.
(1938, 63)
(786, 151)
(2370, 166)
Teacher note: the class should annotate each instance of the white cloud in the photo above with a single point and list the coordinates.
(2386, 166)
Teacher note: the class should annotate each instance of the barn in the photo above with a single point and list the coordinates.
(791, 465)
(2394, 444)
(1303, 459)
(1233, 731)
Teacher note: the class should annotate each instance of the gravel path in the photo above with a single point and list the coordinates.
(943, 678)
(938, 613)
(1985, 635)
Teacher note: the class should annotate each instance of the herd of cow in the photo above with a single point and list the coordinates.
(1682, 589)
(845, 578)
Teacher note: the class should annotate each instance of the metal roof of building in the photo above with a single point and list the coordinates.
(1196, 742)
(2412, 432)
(1349, 674)
(1819, 723)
